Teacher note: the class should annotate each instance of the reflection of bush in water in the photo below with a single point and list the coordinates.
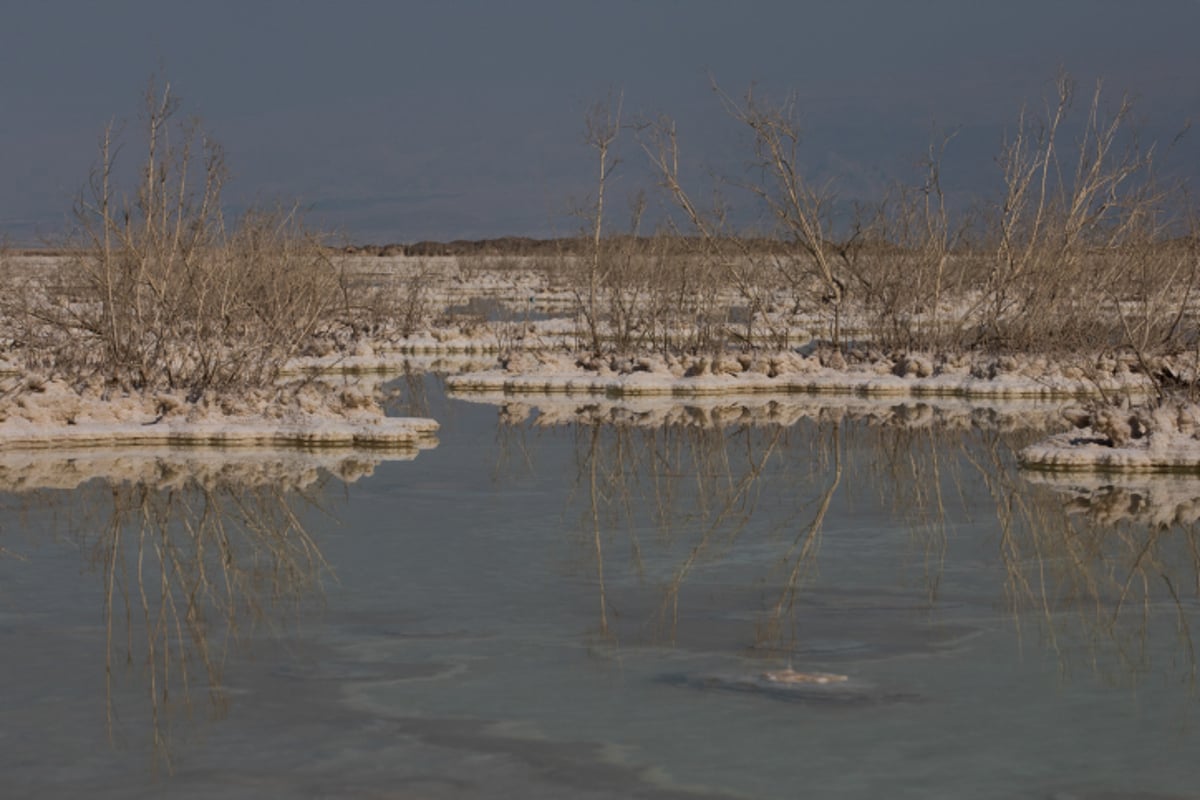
(1107, 568)
(696, 486)
(1158, 501)
(190, 563)
(1099, 591)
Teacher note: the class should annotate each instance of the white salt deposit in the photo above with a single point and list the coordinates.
(789, 372)
(1087, 451)
(533, 359)
(44, 413)
(1147, 438)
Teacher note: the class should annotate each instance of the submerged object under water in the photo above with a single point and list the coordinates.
(790, 676)
(808, 688)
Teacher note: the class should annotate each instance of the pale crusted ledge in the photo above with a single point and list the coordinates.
(1083, 451)
(49, 413)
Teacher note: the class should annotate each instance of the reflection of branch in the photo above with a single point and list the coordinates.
(406, 396)
(1103, 560)
(185, 567)
(6, 553)
(735, 497)
(808, 539)
(594, 495)
(606, 472)
(685, 476)
(702, 483)
(912, 458)
(1156, 501)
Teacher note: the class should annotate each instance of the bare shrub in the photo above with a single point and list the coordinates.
(392, 307)
(633, 293)
(602, 125)
(907, 273)
(707, 261)
(814, 266)
(1079, 235)
(163, 293)
(1083, 251)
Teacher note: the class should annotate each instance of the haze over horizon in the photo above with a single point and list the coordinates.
(399, 122)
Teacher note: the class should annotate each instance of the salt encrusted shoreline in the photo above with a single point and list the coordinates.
(1077, 451)
(790, 373)
(48, 413)
(1154, 437)
(52, 414)
(1143, 439)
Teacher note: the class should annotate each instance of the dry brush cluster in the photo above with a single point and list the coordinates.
(163, 291)
(1083, 247)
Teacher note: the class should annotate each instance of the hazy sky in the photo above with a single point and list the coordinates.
(398, 121)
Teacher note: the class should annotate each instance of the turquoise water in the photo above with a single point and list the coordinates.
(588, 610)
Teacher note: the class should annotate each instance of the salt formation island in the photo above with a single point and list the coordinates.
(1154, 437)
(51, 413)
(822, 371)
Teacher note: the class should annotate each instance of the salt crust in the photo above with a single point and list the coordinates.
(1163, 447)
(532, 370)
(782, 373)
(1152, 437)
(1085, 451)
(50, 413)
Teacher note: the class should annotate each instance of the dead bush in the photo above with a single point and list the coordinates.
(163, 292)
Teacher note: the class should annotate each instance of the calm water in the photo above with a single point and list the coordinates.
(587, 609)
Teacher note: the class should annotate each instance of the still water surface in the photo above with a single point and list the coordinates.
(585, 605)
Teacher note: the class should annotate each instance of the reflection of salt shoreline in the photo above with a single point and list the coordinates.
(1079, 452)
(1159, 501)
(752, 409)
(164, 467)
(382, 432)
